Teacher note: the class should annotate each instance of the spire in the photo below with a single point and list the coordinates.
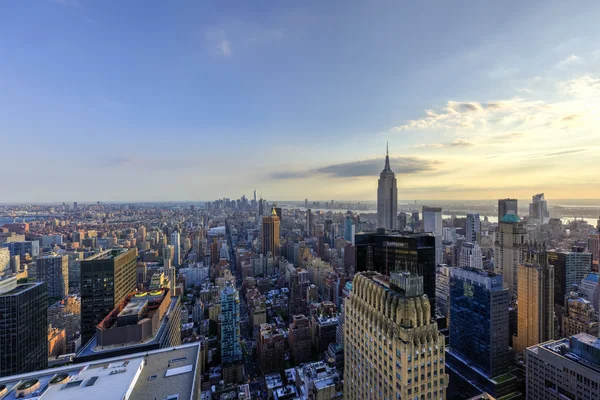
(387, 158)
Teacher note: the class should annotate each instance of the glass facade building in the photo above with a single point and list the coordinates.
(479, 319)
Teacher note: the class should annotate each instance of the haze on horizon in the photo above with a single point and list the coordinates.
(138, 101)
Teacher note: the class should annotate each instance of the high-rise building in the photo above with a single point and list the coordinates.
(580, 316)
(473, 228)
(270, 348)
(270, 234)
(470, 256)
(564, 369)
(402, 221)
(442, 291)
(593, 246)
(5, 268)
(31, 247)
(141, 233)
(310, 223)
(538, 209)
(536, 299)
(23, 327)
(479, 319)
(391, 346)
(432, 222)
(349, 229)
(386, 252)
(298, 285)
(299, 339)
(570, 268)
(106, 278)
(175, 241)
(387, 197)
(231, 349)
(507, 206)
(54, 270)
(509, 243)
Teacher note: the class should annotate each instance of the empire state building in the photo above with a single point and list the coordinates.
(387, 197)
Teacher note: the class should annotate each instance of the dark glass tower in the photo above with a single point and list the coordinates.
(388, 251)
(106, 278)
(23, 327)
(479, 319)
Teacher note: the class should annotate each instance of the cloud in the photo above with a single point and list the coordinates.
(371, 167)
(582, 87)
(571, 60)
(218, 43)
(224, 48)
(570, 118)
(556, 153)
(66, 3)
(460, 142)
(505, 137)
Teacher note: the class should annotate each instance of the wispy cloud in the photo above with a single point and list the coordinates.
(460, 142)
(582, 87)
(505, 137)
(66, 3)
(371, 167)
(571, 60)
(224, 48)
(218, 43)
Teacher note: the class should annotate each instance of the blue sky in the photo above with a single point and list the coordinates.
(188, 100)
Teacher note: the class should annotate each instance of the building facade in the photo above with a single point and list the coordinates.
(231, 350)
(270, 234)
(271, 347)
(570, 268)
(580, 317)
(507, 206)
(387, 197)
(106, 278)
(299, 339)
(23, 327)
(509, 244)
(54, 270)
(473, 228)
(470, 255)
(391, 347)
(536, 300)
(432, 222)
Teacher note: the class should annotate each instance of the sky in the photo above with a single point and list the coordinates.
(191, 100)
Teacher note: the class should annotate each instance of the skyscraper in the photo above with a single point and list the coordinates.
(270, 348)
(310, 222)
(300, 340)
(231, 349)
(507, 206)
(270, 234)
(349, 229)
(31, 247)
(479, 319)
(391, 347)
(387, 197)
(386, 252)
(106, 278)
(23, 327)
(509, 243)
(54, 270)
(175, 241)
(536, 299)
(538, 209)
(470, 256)
(473, 228)
(570, 268)
(432, 222)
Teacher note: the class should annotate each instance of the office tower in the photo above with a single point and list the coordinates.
(479, 320)
(536, 299)
(270, 348)
(175, 241)
(231, 349)
(299, 339)
(298, 285)
(509, 243)
(470, 256)
(580, 316)
(402, 221)
(54, 270)
(432, 222)
(387, 197)
(141, 233)
(349, 229)
(570, 268)
(305, 203)
(386, 252)
(538, 209)
(168, 255)
(323, 325)
(31, 247)
(5, 268)
(507, 206)
(23, 327)
(106, 278)
(270, 234)
(142, 321)
(473, 228)
(414, 220)
(593, 246)
(564, 369)
(310, 223)
(15, 264)
(442, 291)
(261, 207)
(391, 347)
(449, 235)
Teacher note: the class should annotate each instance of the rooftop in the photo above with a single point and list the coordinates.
(107, 255)
(157, 374)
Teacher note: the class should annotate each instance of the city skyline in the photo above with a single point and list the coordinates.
(466, 94)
